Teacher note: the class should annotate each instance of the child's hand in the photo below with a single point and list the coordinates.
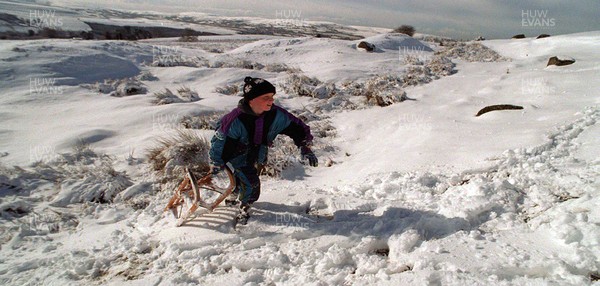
(308, 154)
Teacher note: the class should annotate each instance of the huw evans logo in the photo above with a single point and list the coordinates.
(289, 18)
(292, 220)
(44, 19)
(42, 153)
(536, 86)
(44, 86)
(167, 56)
(537, 19)
(414, 122)
(165, 122)
(419, 53)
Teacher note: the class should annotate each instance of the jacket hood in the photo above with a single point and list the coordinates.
(245, 107)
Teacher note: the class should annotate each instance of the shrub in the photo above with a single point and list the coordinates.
(171, 156)
(228, 62)
(384, 90)
(415, 75)
(168, 97)
(471, 52)
(237, 63)
(188, 39)
(80, 176)
(343, 102)
(129, 87)
(207, 121)
(420, 71)
(186, 94)
(441, 66)
(302, 85)
(97, 182)
(353, 88)
(49, 33)
(230, 89)
(118, 87)
(147, 76)
(215, 50)
(278, 67)
(282, 155)
(413, 60)
(323, 129)
(380, 90)
(405, 29)
(188, 35)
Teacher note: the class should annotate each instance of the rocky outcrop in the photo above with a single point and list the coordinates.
(367, 46)
(498, 107)
(560, 61)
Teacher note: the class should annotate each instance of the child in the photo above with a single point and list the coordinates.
(244, 135)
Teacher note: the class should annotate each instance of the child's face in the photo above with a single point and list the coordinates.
(262, 103)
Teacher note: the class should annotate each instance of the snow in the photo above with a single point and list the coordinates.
(397, 42)
(418, 192)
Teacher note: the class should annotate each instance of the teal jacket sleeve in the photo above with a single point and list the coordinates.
(226, 141)
(292, 126)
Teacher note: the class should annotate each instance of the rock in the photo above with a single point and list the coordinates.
(542, 36)
(560, 61)
(519, 36)
(480, 38)
(498, 107)
(367, 46)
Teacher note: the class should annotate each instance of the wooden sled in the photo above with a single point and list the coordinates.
(192, 193)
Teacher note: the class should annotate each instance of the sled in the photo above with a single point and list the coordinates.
(207, 192)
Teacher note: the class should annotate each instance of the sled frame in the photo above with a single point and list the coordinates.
(186, 199)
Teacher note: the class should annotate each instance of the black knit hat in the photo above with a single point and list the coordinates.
(255, 87)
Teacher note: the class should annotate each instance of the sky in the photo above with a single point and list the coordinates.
(463, 19)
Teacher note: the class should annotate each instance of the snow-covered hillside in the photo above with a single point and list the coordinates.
(412, 188)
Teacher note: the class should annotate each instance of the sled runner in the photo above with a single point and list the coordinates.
(207, 192)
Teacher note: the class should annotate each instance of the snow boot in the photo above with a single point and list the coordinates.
(244, 214)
